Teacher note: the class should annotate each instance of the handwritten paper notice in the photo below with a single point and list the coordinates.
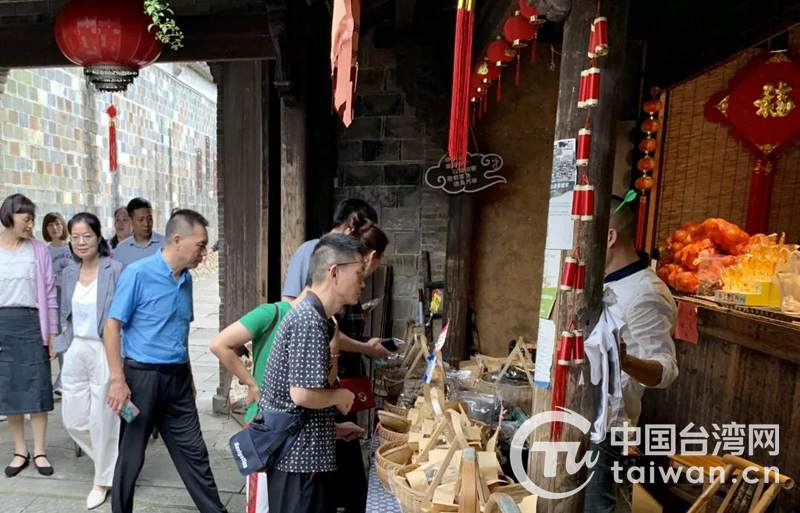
(686, 325)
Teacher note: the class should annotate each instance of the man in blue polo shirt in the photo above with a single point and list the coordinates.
(153, 305)
(144, 241)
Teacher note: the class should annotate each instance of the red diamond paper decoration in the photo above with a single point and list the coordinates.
(762, 104)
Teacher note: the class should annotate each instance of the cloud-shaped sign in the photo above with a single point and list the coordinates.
(481, 172)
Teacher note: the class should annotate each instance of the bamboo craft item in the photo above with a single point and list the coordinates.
(518, 395)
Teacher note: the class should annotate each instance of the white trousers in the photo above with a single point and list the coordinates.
(257, 493)
(89, 420)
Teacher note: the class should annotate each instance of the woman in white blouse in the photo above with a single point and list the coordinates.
(89, 284)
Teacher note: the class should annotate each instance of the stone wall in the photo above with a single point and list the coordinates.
(54, 142)
(382, 157)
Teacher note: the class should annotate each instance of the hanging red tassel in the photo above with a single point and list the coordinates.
(516, 78)
(500, 86)
(462, 64)
(112, 138)
(641, 216)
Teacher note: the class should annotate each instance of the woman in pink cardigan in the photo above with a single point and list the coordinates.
(28, 314)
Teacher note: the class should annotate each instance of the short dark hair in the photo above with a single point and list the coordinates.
(52, 217)
(363, 210)
(623, 219)
(182, 221)
(137, 203)
(374, 238)
(331, 249)
(15, 204)
(93, 223)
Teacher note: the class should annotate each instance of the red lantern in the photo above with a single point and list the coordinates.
(499, 52)
(648, 145)
(652, 106)
(518, 31)
(109, 39)
(530, 12)
(650, 126)
(487, 72)
(646, 164)
(644, 183)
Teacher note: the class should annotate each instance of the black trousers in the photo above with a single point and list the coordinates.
(350, 479)
(163, 394)
(290, 492)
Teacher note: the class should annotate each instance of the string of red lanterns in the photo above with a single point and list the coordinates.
(647, 164)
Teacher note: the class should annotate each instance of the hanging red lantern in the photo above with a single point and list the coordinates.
(530, 12)
(652, 106)
(648, 145)
(110, 40)
(534, 18)
(646, 164)
(518, 31)
(644, 183)
(500, 53)
(487, 72)
(650, 126)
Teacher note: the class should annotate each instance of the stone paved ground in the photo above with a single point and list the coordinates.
(159, 488)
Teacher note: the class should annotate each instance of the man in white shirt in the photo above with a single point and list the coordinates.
(640, 300)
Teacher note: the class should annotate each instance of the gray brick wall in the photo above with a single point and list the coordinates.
(382, 158)
(54, 144)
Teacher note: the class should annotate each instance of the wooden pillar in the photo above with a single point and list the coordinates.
(293, 180)
(458, 284)
(242, 193)
(593, 235)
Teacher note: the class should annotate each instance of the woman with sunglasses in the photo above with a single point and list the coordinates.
(89, 284)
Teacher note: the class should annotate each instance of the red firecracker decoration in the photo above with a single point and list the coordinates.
(589, 88)
(580, 277)
(462, 64)
(110, 39)
(579, 354)
(598, 39)
(112, 137)
(583, 200)
(570, 274)
(518, 31)
(584, 145)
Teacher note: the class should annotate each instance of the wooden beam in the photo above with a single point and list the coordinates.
(206, 38)
(293, 180)
(457, 275)
(241, 195)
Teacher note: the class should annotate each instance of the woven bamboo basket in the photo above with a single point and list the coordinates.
(390, 458)
(518, 395)
(411, 501)
(386, 436)
(397, 410)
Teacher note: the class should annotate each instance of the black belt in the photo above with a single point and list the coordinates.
(169, 368)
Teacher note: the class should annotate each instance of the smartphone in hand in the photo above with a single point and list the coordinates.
(392, 344)
(129, 412)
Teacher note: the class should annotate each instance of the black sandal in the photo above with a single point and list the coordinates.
(45, 471)
(13, 471)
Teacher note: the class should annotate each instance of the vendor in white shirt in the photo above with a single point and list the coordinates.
(642, 303)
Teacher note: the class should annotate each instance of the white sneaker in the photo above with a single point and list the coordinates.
(96, 498)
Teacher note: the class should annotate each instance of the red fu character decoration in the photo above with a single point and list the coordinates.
(110, 39)
(761, 108)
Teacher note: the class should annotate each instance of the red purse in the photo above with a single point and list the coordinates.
(362, 390)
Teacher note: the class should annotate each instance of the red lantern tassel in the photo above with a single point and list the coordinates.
(500, 86)
(641, 216)
(516, 78)
(112, 138)
(459, 106)
(535, 47)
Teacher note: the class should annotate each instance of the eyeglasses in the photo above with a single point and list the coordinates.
(76, 239)
(363, 263)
